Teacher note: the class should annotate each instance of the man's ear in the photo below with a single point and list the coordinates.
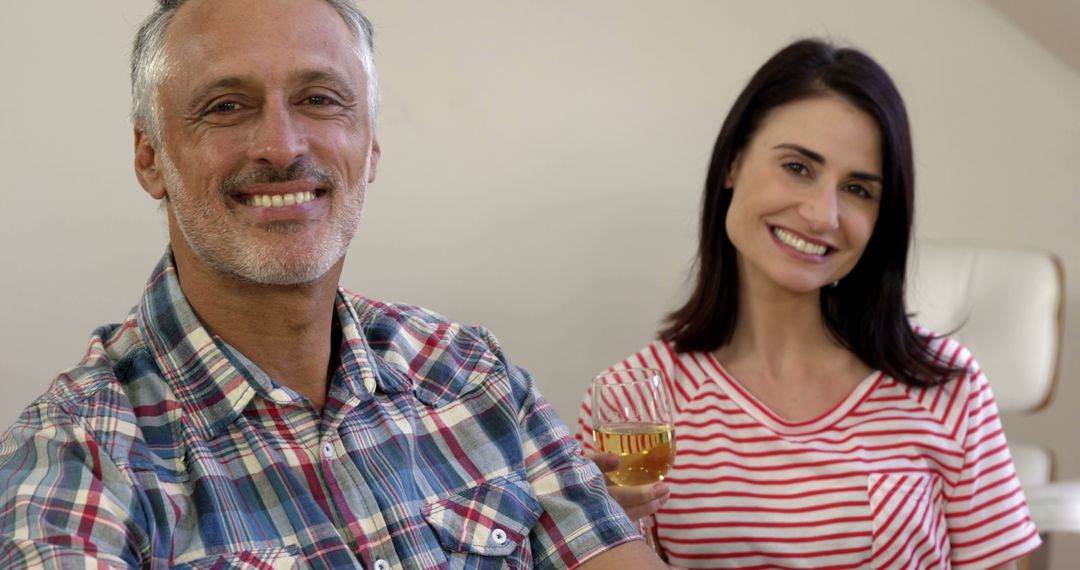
(147, 167)
(373, 163)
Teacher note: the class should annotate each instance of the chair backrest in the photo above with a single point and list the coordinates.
(1005, 303)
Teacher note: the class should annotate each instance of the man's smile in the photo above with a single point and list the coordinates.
(277, 200)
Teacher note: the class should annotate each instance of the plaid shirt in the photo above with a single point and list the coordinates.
(166, 448)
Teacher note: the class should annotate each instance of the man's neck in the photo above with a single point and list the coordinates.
(287, 331)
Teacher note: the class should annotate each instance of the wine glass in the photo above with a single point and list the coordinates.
(631, 418)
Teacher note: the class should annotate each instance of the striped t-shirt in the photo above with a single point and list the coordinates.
(894, 476)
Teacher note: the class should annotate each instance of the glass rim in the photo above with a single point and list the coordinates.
(636, 374)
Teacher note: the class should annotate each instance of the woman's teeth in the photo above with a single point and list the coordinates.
(799, 243)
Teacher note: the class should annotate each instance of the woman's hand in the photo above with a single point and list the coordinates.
(638, 501)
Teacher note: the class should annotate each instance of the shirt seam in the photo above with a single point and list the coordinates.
(550, 557)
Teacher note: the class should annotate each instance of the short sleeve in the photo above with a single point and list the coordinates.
(579, 519)
(986, 513)
(64, 502)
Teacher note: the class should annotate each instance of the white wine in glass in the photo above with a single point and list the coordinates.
(631, 418)
(646, 450)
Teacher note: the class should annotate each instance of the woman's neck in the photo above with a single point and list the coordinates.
(782, 352)
(776, 326)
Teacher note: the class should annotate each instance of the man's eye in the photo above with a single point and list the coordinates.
(320, 100)
(223, 107)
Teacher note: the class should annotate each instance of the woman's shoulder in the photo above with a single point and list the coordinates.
(657, 354)
(662, 355)
(950, 354)
(683, 372)
(962, 386)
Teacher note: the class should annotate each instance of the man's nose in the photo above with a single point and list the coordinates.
(278, 138)
(821, 209)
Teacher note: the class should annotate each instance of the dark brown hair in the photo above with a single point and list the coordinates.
(865, 312)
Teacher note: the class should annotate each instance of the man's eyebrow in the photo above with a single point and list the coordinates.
(816, 157)
(329, 77)
(246, 82)
(228, 82)
(316, 75)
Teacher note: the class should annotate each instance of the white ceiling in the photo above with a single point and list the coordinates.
(1053, 23)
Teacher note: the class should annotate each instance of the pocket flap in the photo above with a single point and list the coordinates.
(275, 558)
(491, 519)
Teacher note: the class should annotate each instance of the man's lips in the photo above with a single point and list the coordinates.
(276, 200)
(301, 201)
(279, 195)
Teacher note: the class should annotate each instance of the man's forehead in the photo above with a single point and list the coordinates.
(236, 25)
(253, 37)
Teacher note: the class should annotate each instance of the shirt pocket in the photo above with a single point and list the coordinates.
(492, 520)
(275, 558)
(908, 521)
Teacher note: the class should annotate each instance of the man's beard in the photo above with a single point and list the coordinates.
(230, 248)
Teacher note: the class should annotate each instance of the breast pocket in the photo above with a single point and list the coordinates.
(908, 521)
(276, 558)
(486, 526)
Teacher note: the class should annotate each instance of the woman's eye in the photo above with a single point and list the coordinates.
(797, 168)
(859, 191)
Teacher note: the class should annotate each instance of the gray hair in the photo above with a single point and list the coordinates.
(149, 67)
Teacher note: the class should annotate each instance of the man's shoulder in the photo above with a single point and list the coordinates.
(107, 358)
(93, 395)
(387, 325)
(441, 356)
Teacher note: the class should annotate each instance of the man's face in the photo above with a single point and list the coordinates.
(267, 146)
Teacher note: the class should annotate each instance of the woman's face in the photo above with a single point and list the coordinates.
(807, 188)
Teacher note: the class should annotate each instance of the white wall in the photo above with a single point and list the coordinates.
(542, 165)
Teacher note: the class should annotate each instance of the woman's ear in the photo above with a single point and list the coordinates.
(733, 171)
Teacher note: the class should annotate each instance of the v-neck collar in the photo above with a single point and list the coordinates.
(770, 419)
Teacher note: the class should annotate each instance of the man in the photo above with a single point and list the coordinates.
(251, 414)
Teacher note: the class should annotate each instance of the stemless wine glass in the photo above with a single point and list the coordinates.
(631, 417)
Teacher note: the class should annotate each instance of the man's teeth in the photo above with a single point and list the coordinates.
(799, 243)
(279, 200)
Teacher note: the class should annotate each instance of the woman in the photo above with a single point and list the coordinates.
(816, 427)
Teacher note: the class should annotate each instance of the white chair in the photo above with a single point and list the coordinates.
(1006, 305)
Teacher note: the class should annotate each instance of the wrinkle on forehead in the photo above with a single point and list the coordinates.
(255, 41)
(243, 33)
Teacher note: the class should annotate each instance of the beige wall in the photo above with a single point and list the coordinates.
(542, 164)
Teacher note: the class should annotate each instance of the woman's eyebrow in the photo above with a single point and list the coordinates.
(818, 158)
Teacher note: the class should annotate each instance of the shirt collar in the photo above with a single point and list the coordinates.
(214, 382)
(360, 371)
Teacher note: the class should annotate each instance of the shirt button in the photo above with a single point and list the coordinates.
(498, 535)
(328, 450)
(381, 564)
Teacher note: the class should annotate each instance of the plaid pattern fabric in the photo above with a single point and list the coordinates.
(165, 448)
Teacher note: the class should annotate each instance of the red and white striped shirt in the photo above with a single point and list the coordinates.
(895, 476)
